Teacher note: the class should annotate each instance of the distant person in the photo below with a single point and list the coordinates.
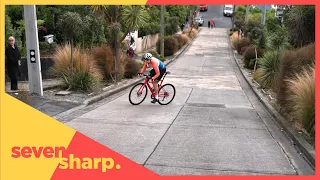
(131, 40)
(209, 24)
(130, 50)
(212, 24)
(13, 62)
(182, 27)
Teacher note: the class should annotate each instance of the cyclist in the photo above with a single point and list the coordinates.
(155, 74)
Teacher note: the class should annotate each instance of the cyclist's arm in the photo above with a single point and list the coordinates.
(143, 68)
(156, 68)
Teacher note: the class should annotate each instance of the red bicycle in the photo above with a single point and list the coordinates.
(166, 93)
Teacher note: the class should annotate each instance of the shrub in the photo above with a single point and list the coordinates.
(302, 90)
(185, 39)
(191, 34)
(170, 46)
(234, 43)
(269, 65)
(178, 38)
(243, 49)
(262, 42)
(250, 54)
(132, 68)
(257, 75)
(83, 76)
(104, 59)
(255, 32)
(242, 43)
(292, 62)
(250, 26)
(278, 38)
(235, 40)
(182, 39)
(252, 63)
(44, 47)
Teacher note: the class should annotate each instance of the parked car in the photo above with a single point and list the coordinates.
(228, 10)
(199, 20)
(203, 7)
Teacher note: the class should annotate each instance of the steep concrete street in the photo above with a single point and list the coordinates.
(215, 125)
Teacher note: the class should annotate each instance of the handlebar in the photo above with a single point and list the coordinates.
(144, 74)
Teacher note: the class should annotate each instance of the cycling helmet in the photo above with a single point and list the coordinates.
(147, 56)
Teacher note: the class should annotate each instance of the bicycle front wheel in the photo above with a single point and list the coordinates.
(138, 93)
(166, 94)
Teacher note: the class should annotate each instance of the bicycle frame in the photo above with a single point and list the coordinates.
(147, 83)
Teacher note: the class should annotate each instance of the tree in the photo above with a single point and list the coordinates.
(72, 25)
(253, 29)
(121, 20)
(278, 38)
(15, 13)
(10, 31)
(94, 32)
(239, 17)
(300, 21)
(272, 23)
(172, 26)
(178, 11)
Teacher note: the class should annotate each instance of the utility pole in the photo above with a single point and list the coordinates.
(162, 31)
(247, 12)
(33, 54)
(264, 12)
(232, 17)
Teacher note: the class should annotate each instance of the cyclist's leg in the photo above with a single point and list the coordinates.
(155, 86)
(156, 82)
(151, 74)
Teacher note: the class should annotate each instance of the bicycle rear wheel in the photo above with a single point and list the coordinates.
(138, 93)
(166, 94)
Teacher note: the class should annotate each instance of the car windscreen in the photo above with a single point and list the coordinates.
(228, 8)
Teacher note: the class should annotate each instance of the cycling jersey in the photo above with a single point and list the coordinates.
(161, 65)
(158, 66)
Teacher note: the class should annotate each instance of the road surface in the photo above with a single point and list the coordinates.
(216, 13)
(214, 126)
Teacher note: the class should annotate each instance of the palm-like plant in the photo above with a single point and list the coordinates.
(121, 19)
(269, 66)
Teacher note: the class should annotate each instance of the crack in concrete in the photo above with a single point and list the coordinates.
(222, 170)
(167, 129)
